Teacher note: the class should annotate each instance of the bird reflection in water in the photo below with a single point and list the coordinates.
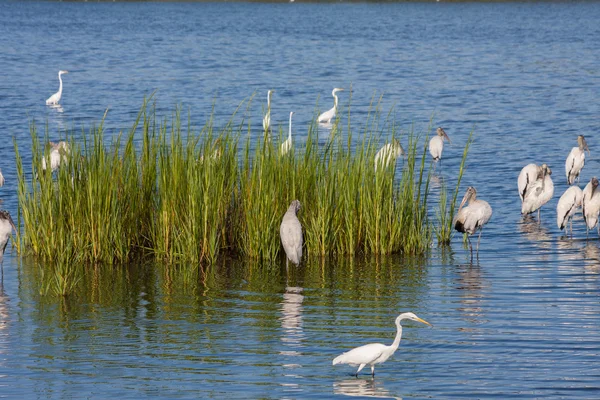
(291, 323)
(362, 388)
(470, 283)
(536, 233)
(591, 257)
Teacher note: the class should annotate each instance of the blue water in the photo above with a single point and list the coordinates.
(522, 322)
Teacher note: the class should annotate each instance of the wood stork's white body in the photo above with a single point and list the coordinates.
(327, 116)
(290, 232)
(388, 154)
(55, 98)
(529, 174)
(538, 193)
(436, 144)
(591, 204)
(287, 145)
(567, 206)
(576, 160)
(473, 217)
(6, 227)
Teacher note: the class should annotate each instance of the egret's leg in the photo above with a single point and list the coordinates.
(361, 366)
(539, 209)
(373, 370)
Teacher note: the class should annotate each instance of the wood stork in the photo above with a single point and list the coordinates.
(58, 154)
(290, 232)
(576, 160)
(327, 116)
(436, 144)
(529, 174)
(267, 117)
(538, 193)
(6, 227)
(376, 353)
(591, 204)
(55, 98)
(567, 206)
(287, 145)
(388, 154)
(473, 217)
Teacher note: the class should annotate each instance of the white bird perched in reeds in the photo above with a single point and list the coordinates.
(1, 178)
(290, 232)
(375, 353)
(591, 204)
(55, 98)
(388, 154)
(529, 174)
(576, 160)
(538, 193)
(6, 227)
(436, 144)
(567, 206)
(473, 217)
(327, 116)
(58, 154)
(267, 117)
(287, 145)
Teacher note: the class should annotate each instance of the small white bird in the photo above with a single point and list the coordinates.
(327, 116)
(472, 217)
(267, 117)
(591, 204)
(436, 144)
(290, 232)
(538, 193)
(388, 154)
(6, 227)
(567, 206)
(375, 353)
(1, 178)
(576, 160)
(58, 154)
(55, 98)
(287, 145)
(529, 174)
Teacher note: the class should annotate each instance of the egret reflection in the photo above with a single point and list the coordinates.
(363, 388)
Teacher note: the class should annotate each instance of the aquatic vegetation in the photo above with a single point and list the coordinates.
(182, 196)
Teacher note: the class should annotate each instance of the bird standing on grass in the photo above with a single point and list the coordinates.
(327, 116)
(472, 217)
(576, 160)
(290, 232)
(55, 98)
(375, 353)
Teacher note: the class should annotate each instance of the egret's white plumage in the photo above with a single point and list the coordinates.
(576, 160)
(529, 174)
(388, 154)
(58, 154)
(1, 179)
(267, 117)
(6, 227)
(567, 206)
(591, 204)
(287, 145)
(55, 98)
(473, 217)
(290, 232)
(375, 353)
(538, 193)
(327, 116)
(436, 144)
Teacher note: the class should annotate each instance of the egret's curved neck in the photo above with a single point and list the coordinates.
(269, 101)
(60, 85)
(290, 129)
(335, 101)
(396, 342)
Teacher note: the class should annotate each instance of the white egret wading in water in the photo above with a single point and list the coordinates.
(472, 217)
(267, 117)
(567, 206)
(529, 174)
(55, 98)
(327, 116)
(287, 145)
(1, 179)
(58, 155)
(538, 193)
(290, 232)
(436, 144)
(576, 160)
(388, 154)
(375, 353)
(6, 227)
(591, 204)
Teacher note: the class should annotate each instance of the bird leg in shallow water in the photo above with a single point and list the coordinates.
(479, 240)
(539, 220)
(373, 371)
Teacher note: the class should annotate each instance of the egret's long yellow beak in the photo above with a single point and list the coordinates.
(423, 321)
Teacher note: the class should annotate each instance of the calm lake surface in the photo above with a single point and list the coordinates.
(522, 322)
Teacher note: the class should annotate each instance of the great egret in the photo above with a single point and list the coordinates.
(388, 154)
(327, 116)
(529, 174)
(375, 353)
(538, 193)
(287, 145)
(267, 117)
(6, 227)
(567, 206)
(1, 178)
(436, 144)
(576, 160)
(290, 232)
(58, 154)
(55, 98)
(591, 204)
(472, 217)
